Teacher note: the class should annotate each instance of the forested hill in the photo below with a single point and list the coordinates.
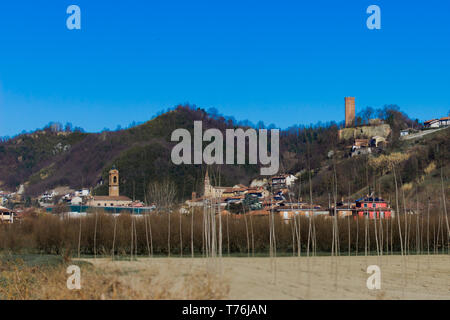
(48, 158)
(51, 157)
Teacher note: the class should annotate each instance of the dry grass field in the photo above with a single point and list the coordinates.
(44, 277)
(409, 277)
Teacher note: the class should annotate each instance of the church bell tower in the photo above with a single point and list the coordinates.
(113, 182)
(208, 188)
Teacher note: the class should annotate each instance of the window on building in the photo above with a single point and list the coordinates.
(115, 179)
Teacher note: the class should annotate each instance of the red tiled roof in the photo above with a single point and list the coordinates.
(259, 212)
(5, 210)
(108, 198)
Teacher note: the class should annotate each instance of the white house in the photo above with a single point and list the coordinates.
(76, 201)
(82, 193)
(6, 215)
(444, 121)
(433, 123)
(404, 133)
(290, 179)
(48, 196)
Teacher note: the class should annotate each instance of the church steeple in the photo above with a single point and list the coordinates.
(207, 189)
(114, 182)
(206, 177)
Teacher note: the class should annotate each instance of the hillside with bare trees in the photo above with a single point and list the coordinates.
(57, 156)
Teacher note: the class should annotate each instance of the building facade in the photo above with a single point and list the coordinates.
(373, 207)
(114, 199)
(210, 191)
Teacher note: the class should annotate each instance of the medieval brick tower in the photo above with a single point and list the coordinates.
(349, 111)
(113, 182)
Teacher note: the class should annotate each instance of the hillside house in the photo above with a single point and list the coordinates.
(433, 123)
(82, 193)
(361, 146)
(444, 121)
(6, 215)
(282, 181)
(3, 198)
(377, 141)
(404, 132)
(48, 196)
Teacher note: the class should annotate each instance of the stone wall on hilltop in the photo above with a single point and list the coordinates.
(366, 132)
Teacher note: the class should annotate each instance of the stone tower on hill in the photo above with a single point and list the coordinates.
(349, 111)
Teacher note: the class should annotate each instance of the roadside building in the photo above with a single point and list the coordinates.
(433, 123)
(404, 133)
(444, 121)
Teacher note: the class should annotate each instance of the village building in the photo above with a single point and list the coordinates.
(3, 198)
(210, 191)
(372, 207)
(433, 123)
(444, 121)
(114, 199)
(195, 201)
(82, 193)
(282, 181)
(404, 132)
(437, 123)
(377, 141)
(361, 146)
(6, 215)
(361, 143)
(288, 211)
(76, 201)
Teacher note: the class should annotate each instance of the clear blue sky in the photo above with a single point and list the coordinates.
(283, 62)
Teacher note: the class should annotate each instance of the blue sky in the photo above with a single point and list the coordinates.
(282, 62)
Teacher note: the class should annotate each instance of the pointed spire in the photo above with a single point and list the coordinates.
(207, 185)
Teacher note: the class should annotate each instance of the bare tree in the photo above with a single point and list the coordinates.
(162, 194)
